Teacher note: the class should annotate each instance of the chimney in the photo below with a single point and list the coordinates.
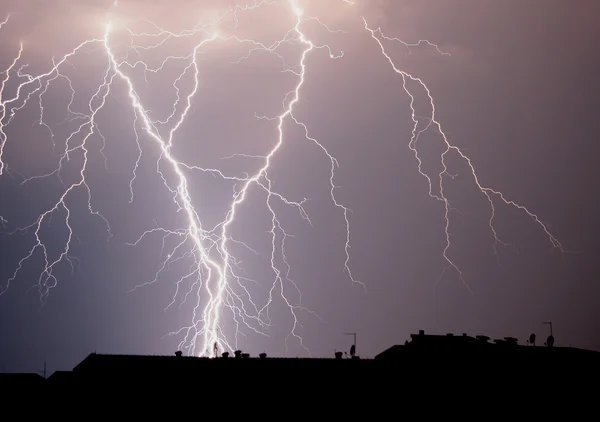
(263, 355)
(225, 355)
(178, 353)
(421, 332)
(238, 354)
(245, 355)
(338, 355)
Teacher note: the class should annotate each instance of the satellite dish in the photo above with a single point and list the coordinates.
(532, 339)
(352, 350)
(550, 341)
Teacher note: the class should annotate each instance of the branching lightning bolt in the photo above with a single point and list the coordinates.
(216, 279)
(217, 285)
(433, 124)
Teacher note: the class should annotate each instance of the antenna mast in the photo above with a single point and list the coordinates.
(550, 341)
(353, 350)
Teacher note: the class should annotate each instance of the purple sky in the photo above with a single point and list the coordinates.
(516, 92)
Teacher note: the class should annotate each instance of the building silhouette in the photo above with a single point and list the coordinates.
(464, 345)
(424, 357)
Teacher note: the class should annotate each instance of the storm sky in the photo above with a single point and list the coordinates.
(516, 92)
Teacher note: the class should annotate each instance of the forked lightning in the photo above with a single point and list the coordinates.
(219, 289)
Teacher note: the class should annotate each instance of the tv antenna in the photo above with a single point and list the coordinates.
(550, 340)
(353, 348)
(44, 372)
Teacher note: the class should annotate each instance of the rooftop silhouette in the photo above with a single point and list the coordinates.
(464, 344)
(423, 352)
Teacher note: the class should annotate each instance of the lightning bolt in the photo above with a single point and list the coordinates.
(216, 278)
(430, 123)
(215, 282)
(47, 279)
(5, 78)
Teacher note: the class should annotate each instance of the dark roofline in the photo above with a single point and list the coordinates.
(450, 343)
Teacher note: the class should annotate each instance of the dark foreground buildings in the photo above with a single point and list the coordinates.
(426, 357)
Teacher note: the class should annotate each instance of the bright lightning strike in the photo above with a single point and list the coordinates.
(216, 279)
(216, 283)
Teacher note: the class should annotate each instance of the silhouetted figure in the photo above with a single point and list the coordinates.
(532, 339)
(353, 350)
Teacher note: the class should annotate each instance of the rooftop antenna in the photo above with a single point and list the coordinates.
(43, 373)
(45, 366)
(550, 340)
(353, 348)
